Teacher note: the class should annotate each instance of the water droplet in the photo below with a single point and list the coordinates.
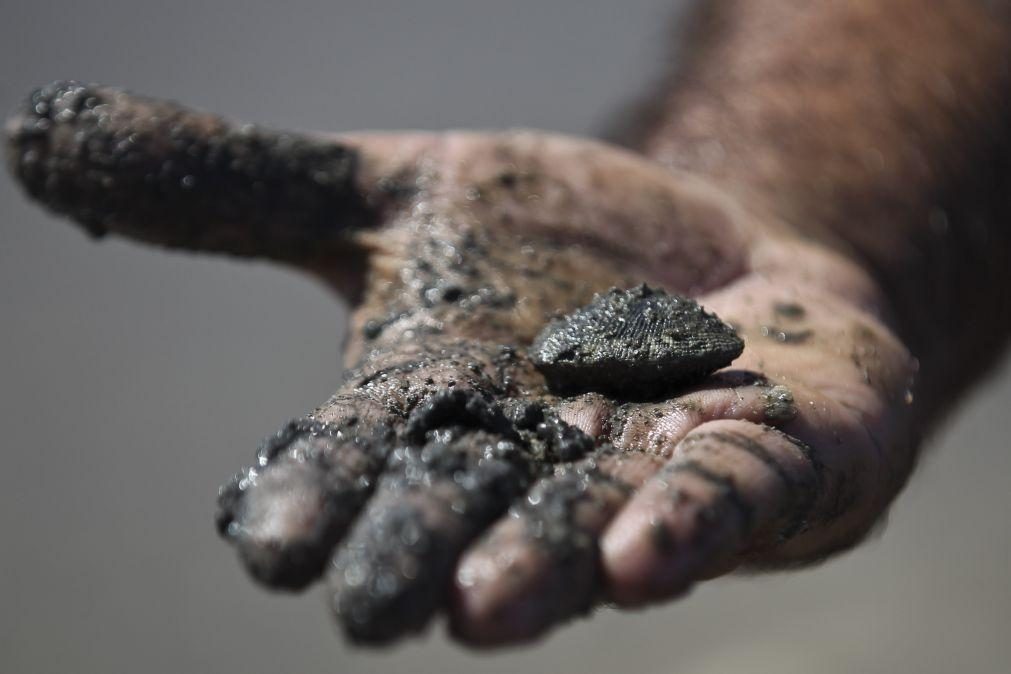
(354, 575)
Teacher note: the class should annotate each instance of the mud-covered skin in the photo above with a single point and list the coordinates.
(150, 168)
(332, 469)
(394, 569)
(635, 344)
(548, 543)
(445, 475)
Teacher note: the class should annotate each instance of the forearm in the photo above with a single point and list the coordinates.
(878, 127)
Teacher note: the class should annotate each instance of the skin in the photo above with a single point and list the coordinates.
(804, 176)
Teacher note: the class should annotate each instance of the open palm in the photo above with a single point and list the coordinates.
(445, 474)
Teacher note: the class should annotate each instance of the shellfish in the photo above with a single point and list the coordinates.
(634, 344)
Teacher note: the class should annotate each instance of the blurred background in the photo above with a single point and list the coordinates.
(132, 383)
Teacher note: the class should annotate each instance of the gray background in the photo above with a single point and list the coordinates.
(132, 383)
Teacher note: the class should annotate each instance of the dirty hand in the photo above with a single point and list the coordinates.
(446, 474)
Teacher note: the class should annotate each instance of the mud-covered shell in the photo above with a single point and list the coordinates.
(633, 344)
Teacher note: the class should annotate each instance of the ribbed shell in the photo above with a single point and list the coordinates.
(634, 344)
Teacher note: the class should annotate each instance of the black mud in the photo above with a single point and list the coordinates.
(457, 408)
(395, 569)
(548, 439)
(169, 175)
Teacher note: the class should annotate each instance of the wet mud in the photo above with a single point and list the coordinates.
(394, 570)
(157, 171)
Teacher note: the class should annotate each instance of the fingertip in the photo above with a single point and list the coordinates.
(640, 561)
(675, 531)
(282, 526)
(495, 595)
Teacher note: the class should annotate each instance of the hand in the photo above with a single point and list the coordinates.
(445, 474)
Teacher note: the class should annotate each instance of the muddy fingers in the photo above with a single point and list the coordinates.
(731, 487)
(543, 563)
(539, 566)
(463, 460)
(394, 571)
(286, 513)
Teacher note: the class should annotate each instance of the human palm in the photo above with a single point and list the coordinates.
(446, 475)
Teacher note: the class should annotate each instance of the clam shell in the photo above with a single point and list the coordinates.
(633, 344)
